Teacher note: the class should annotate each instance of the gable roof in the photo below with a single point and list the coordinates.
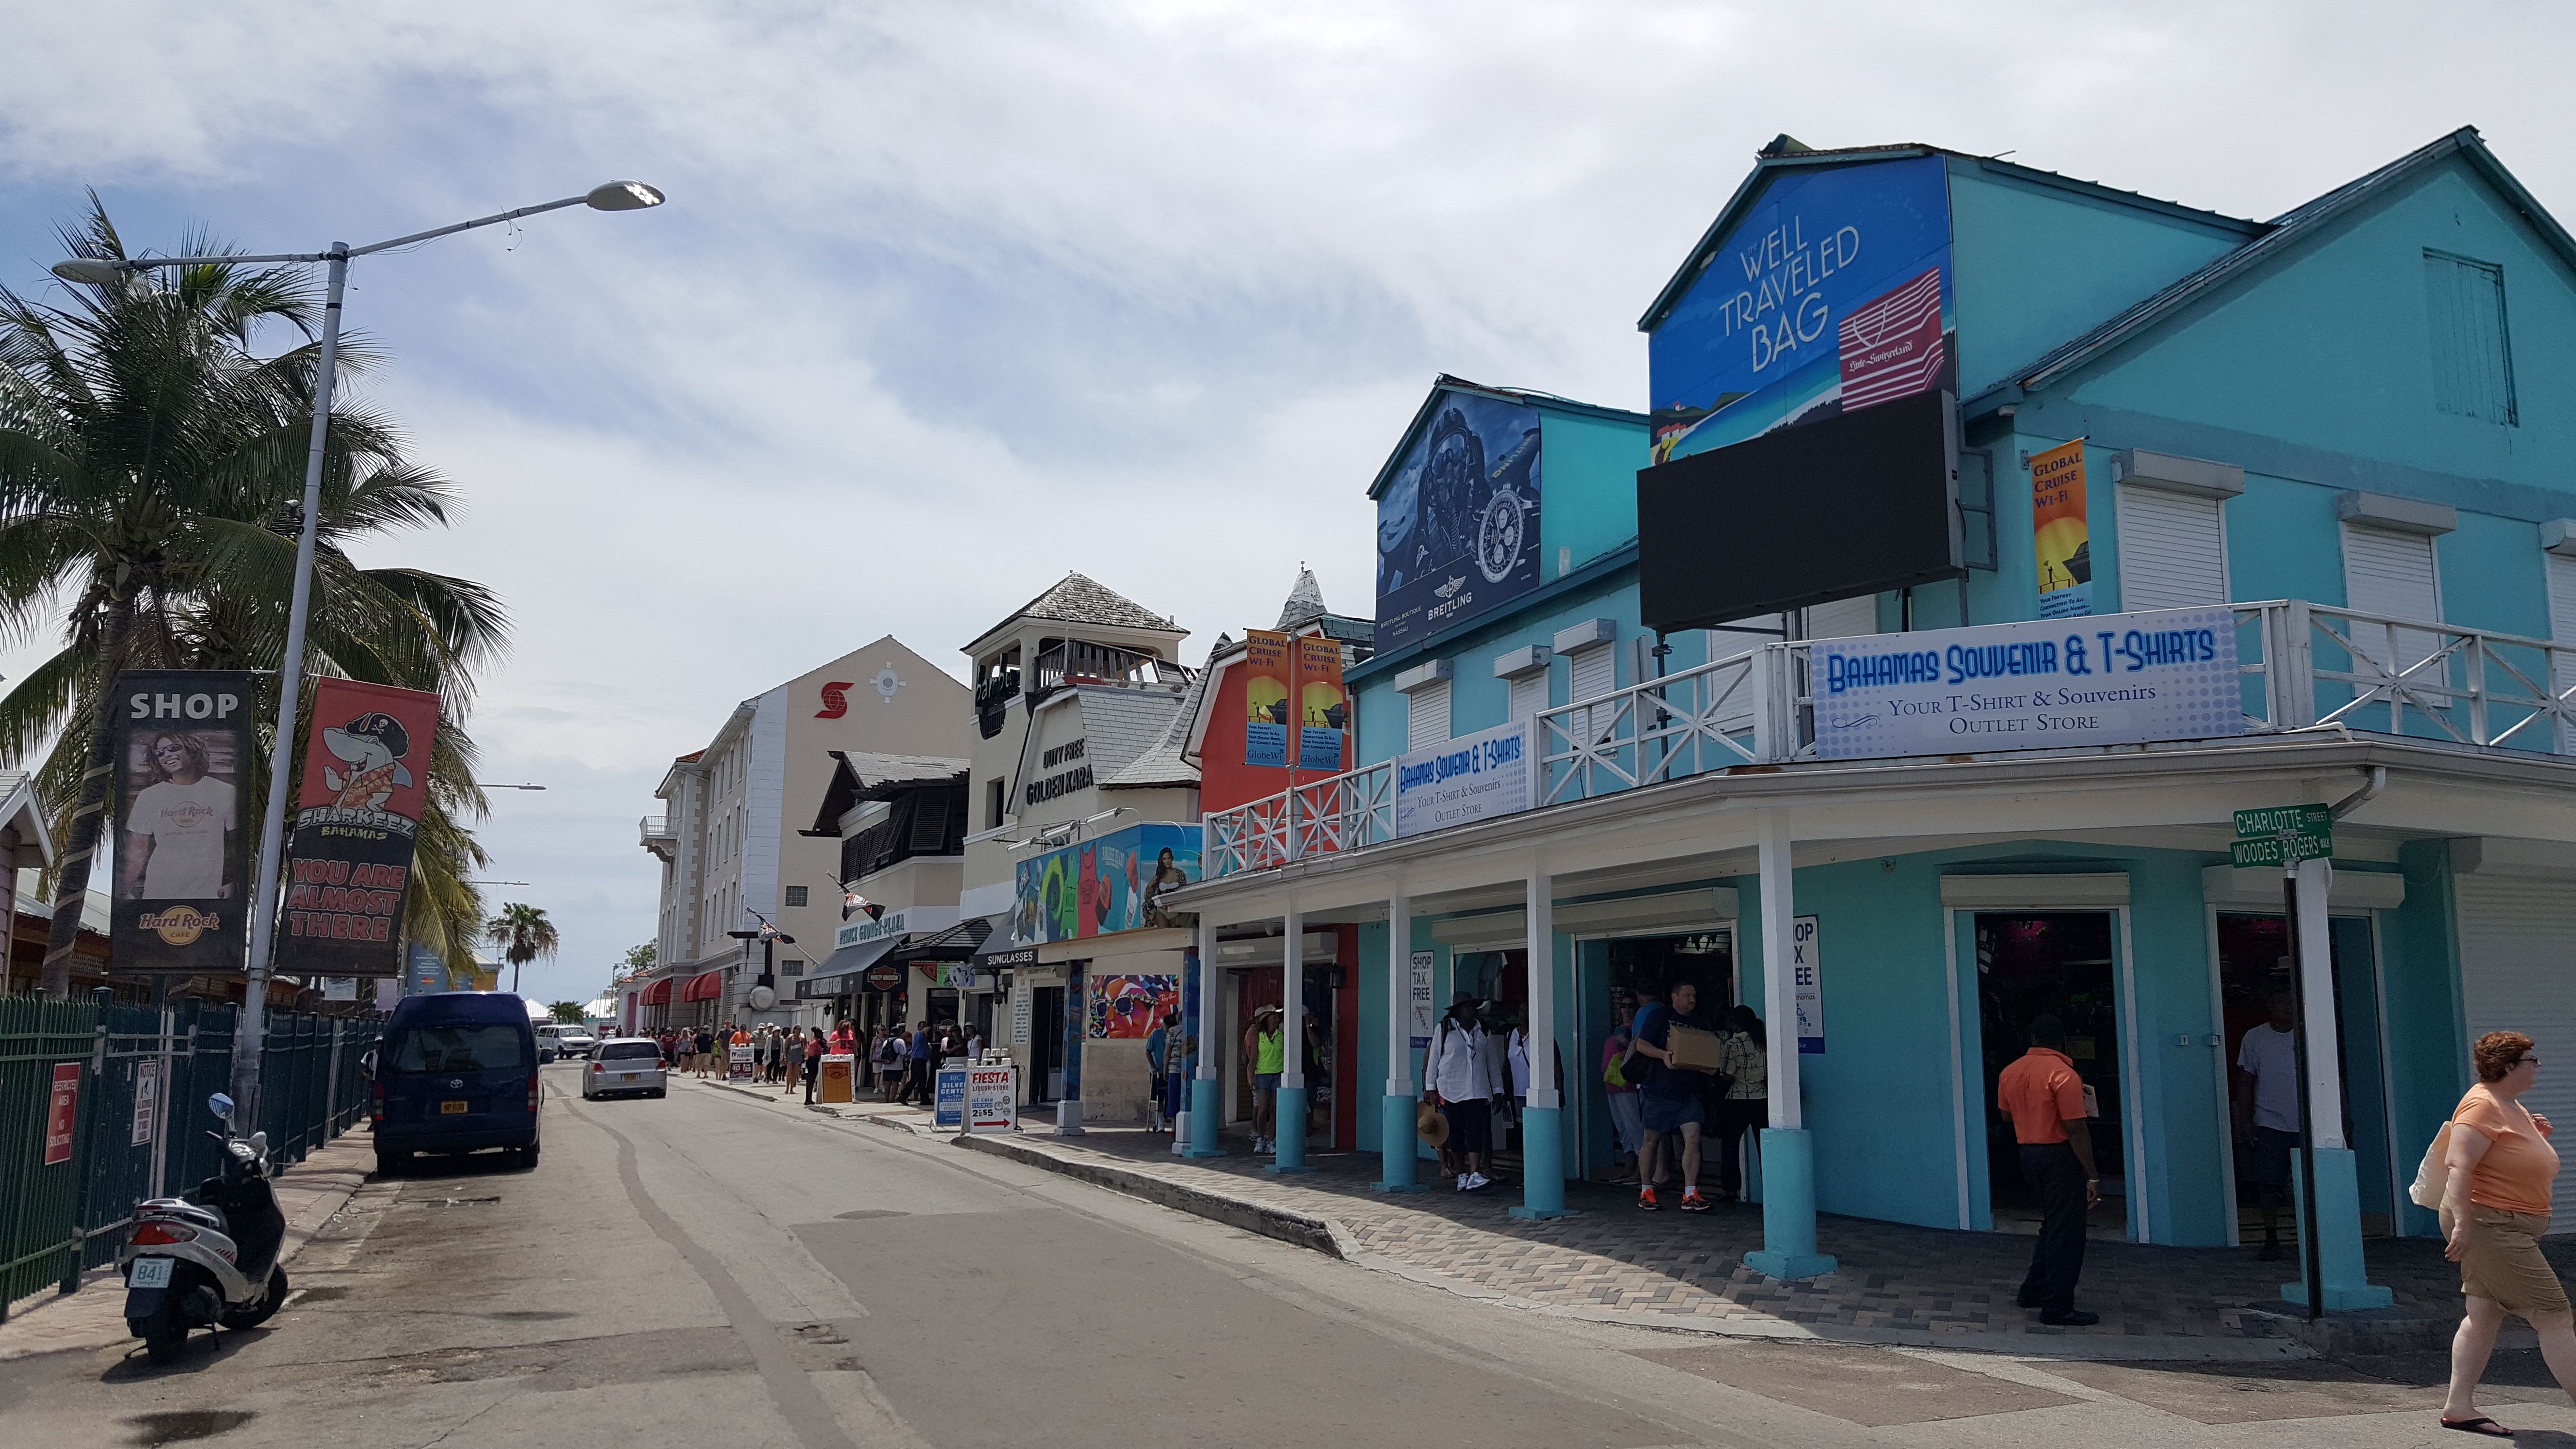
(1166, 761)
(1527, 397)
(1786, 153)
(1076, 599)
(858, 775)
(2282, 233)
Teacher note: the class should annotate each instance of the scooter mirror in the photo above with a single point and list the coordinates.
(221, 1106)
(259, 1143)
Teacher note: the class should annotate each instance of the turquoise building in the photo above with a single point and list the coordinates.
(2340, 440)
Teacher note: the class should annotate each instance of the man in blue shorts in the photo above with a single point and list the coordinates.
(1670, 1100)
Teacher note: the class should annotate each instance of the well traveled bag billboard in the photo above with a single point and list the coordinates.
(182, 894)
(357, 816)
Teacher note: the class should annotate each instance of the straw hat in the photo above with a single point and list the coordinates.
(1433, 1127)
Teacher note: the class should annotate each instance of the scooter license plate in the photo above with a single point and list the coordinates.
(150, 1273)
(451, 1109)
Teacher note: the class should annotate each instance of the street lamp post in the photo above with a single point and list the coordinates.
(102, 271)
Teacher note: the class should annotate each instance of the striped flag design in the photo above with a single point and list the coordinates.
(1891, 345)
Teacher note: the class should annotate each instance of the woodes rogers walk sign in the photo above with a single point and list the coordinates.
(2283, 835)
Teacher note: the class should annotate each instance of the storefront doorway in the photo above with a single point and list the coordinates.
(2253, 967)
(1620, 972)
(1046, 1043)
(2053, 963)
(1257, 987)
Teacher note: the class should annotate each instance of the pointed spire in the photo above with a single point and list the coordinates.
(1305, 602)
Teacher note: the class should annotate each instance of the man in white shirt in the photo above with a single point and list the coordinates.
(2267, 1112)
(178, 831)
(1464, 1073)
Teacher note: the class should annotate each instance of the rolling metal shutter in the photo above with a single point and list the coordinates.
(1529, 694)
(1843, 618)
(1427, 716)
(2385, 572)
(1590, 673)
(2173, 549)
(2518, 973)
(2562, 629)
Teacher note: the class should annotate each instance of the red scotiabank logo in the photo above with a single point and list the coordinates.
(836, 700)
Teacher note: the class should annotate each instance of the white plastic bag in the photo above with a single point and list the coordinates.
(2433, 1178)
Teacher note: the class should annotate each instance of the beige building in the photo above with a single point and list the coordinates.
(731, 839)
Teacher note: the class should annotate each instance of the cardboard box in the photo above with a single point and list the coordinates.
(1690, 1049)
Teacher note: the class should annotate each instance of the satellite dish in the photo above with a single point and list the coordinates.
(762, 998)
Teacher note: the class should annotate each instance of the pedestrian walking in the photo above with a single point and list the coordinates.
(1744, 1063)
(1158, 1046)
(1626, 1122)
(705, 1043)
(815, 1047)
(1265, 1055)
(1176, 1066)
(918, 1083)
(2498, 1173)
(2267, 1112)
(1463, 1075)
(1671, 1101)
(2045, 1099)
(791, 1058)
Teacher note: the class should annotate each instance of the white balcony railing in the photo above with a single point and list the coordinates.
(2304, 666)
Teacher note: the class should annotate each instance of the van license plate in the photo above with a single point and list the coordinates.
(150, 1273)
(451, 1109)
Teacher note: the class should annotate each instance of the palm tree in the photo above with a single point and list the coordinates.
(151, 475)
(524, 934)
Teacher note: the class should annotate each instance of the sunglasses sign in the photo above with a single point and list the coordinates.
(366, 781)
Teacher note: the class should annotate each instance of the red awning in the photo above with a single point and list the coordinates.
(705, 986)
(659, 993)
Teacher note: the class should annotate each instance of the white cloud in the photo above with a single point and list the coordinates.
(952, 298)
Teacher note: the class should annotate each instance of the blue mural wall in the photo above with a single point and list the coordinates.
(1458, 519)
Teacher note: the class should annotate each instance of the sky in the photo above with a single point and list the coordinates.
(950, 299)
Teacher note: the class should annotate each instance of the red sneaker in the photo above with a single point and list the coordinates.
(1692, 1202)
(1646, 1200)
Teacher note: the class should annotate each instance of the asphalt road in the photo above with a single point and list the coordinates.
(709, 1270)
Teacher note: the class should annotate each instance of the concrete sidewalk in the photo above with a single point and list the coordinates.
(309, 1193)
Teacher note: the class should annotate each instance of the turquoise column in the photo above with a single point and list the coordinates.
(1288, 1123)
(1788, 1154)
(1542, 1119)
(2347, 1283)
(1788, 1248)
(1396, 1110)
(1206, 1101)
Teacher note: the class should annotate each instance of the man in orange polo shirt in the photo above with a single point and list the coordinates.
(2045, 1099)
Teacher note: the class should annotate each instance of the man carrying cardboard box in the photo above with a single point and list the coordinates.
(1670, 1095)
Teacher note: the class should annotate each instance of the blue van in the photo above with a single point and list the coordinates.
(457, 1071)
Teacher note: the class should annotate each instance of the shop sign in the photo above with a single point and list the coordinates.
(738, 1064)
(2122, 679)
(183, 740)
(365, 783)
(949, 1102)
(1807, 985)
(62, 1109)
(1475, 777)
(894, 925)
(882, 977)
(147, 1102)
(1104, 886)
(1020, 1014)
(835, 1077)
(992, 1099)
(1423, 1016)
(1061, 782)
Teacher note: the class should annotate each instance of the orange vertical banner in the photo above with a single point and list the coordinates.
(2061, 532)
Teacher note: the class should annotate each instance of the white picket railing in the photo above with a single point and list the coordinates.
(2305, 665)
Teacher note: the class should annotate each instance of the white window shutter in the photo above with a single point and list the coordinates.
(1843, 618)
(2562, 630)
(2173, 549)
(1529, 695)
(2391, 573)
(1427, 716)
(1593, 671)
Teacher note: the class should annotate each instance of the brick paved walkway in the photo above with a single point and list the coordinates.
(1894, 1284)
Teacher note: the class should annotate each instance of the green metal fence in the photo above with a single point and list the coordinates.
(136, 1125)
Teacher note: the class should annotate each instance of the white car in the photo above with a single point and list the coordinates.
(624, 1066)
(576, 1041)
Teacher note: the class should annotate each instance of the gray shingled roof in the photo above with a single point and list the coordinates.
(1079, 600)
(1162, 762)
(1305, 601)
(1120, 725)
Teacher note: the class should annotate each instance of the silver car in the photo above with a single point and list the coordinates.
(626, 1065)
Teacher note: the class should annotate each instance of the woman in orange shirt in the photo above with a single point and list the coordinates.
(2495, 1206)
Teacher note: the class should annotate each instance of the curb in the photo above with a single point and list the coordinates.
(1323, 1235)
(2380, 1330)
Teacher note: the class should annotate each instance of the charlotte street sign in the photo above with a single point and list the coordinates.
(2283, 835)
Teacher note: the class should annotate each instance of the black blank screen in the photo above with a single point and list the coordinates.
(1853, 504)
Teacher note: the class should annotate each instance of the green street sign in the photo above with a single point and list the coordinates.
(2251, 853)
(2314, 820)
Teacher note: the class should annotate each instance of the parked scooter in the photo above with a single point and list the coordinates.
(208, 1259)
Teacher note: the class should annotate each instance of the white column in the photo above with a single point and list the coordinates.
(1210, 1047)
(1399, 995)
(1292, 1003)
(1779, 990)
(2316, 980)
(1541, 1030)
